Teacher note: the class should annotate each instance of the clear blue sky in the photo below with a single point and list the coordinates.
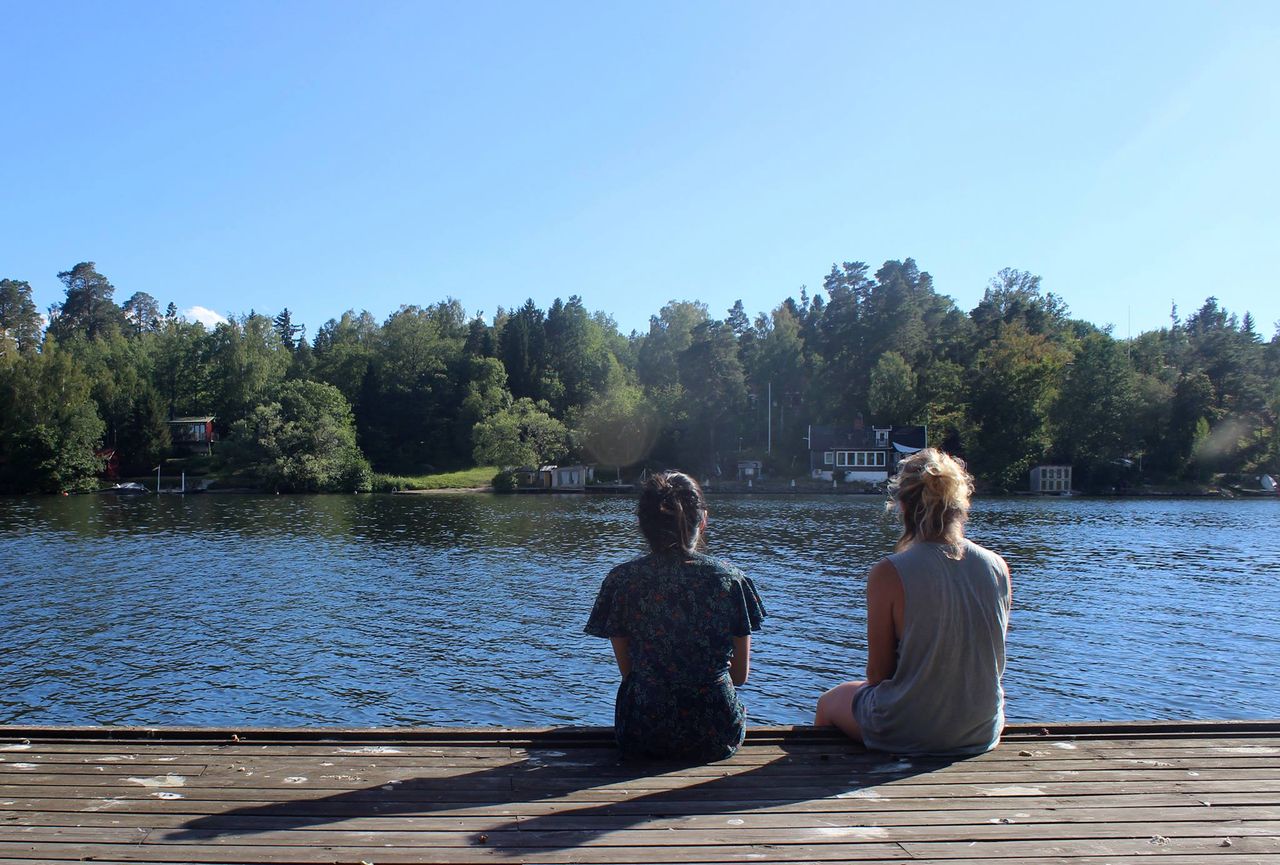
(326, 156)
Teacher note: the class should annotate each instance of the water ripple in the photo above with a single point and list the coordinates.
(443, 610)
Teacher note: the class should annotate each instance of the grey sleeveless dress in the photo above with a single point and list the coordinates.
(945, 696)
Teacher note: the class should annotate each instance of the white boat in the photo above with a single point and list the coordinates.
(128, 489)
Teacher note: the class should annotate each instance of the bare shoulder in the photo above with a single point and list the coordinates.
(883, 575)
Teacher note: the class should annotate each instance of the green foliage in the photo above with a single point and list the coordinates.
(618, 428)
(246, 361)
(414, 388)
(715, 389)
(180, 369)
(670, 335)
(1014, 298)
(49, 425)
(20, 324)
(343, 354)
(892, 398)
(1009, 383)
(522, 346)
(486, 395)
(144, 438)
(286, 330)
(302, 440)
(523, 434)
(142, 313)
(1094, 413)
(88, 310)
(476, 478)
(1012, 389)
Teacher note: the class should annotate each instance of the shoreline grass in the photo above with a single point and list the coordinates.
(480, 476)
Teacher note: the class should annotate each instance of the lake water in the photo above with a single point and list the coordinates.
(468, 609)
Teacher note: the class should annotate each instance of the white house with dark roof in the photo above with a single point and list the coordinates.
(865, 454)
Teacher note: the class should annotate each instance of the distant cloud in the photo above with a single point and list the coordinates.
(207, 317)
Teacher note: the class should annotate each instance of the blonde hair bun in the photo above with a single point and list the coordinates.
(933, 490)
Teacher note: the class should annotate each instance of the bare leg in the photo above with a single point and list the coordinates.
(835, 708)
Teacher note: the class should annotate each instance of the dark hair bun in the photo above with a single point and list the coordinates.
(670, 511)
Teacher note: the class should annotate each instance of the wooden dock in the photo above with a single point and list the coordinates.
(1172, 794)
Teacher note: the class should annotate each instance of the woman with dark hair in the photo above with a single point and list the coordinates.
(937, 614)
(680, 622)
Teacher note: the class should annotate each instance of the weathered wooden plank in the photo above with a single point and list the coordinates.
(574, 762)
(736, 799)
(792, 760)
(1144, 859)
(247, 853)
(659, 859)
(535, 781)
(547, 780)
(213, 740)
(1152, 846)
(789, 795)
(1008, 852)
(588, 821)
(9, 771)
(1000, 806)
(1109, 729)
(687, 838)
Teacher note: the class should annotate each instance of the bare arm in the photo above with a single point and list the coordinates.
(885, 602)
(740, 663)
(622, 654)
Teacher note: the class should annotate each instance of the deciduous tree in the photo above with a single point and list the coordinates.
(303, 439)
(523, 434)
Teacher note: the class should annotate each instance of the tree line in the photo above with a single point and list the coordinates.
(1010, 383)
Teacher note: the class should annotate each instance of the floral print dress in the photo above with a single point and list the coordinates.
(680, 614)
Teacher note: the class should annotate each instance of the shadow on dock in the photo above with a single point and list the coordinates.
(799, 773)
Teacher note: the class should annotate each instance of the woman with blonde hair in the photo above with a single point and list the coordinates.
(937, 615)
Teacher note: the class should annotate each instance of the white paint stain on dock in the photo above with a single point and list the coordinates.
(23, 746)
(160, 781)
(850, 831)
(371, 749)
(1247, 749)
(1012, 791)
(165, 794)
(296, 779)
(1065, 746)
(25, 767)
(859, 794)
